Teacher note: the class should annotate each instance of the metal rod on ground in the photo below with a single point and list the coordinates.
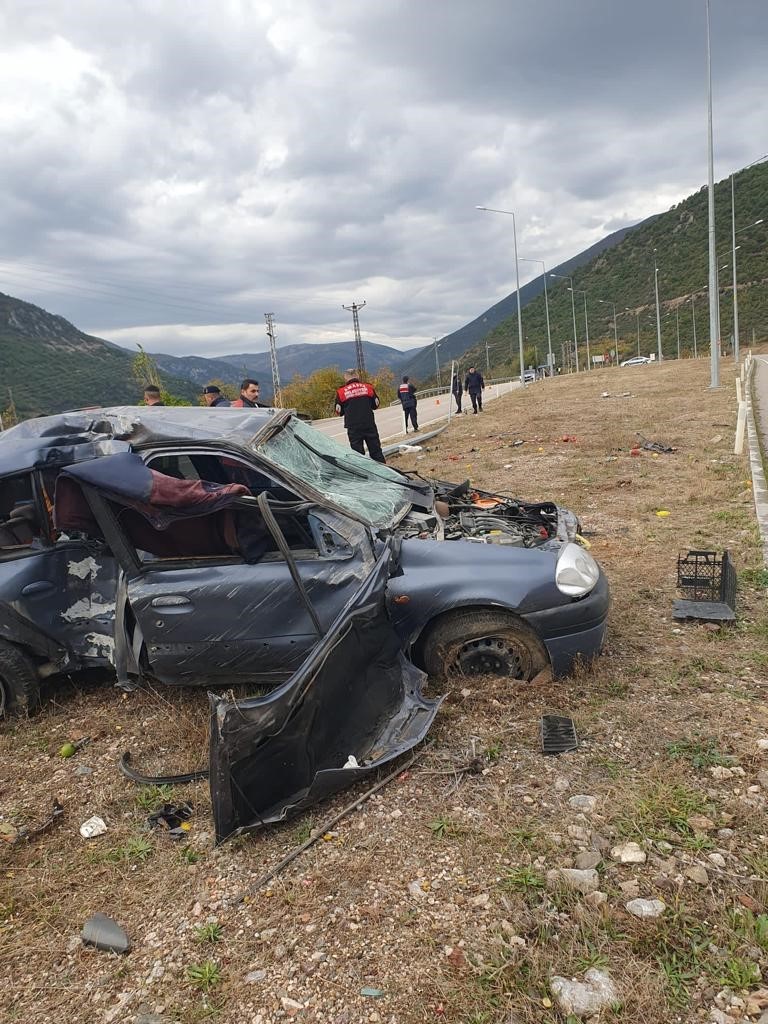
(325, 828)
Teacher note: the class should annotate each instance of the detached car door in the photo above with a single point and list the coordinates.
(240, 594)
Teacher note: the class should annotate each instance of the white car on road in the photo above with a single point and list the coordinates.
(636, 361)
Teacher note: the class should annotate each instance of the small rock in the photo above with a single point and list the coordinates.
(581, 835)
(596, 898)
(701, 823)
(630, 888)
(93, 827)
(572, 878)
(481, 900)
(717, 1016)
(83, 769)
(587, 859)
(720, 772)
(762, 778)
(584, 998)
(561, 785)
(290, 1006)
(762, 744)
(628, 853)
(646, 908)
(725, 833)
(255, 977)
(717, 859)
(697, 874)
(583, 803)
(418, 888)
(599, 843)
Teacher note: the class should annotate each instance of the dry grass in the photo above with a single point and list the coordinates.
(656, 713)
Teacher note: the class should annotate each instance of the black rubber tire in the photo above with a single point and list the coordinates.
(482, 642)
(19, 682)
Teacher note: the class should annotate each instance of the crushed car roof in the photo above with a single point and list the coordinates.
(55, 440)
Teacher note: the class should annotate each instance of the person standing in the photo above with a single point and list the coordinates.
(152, 395)
(456, 390)
(474, 384)
(407, 395)
(356, 401)
(213, 397)
(249, 395)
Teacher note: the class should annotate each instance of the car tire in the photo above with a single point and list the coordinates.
(478, 642)
(19, 682)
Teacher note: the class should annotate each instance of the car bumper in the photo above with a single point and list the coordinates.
(574, 631)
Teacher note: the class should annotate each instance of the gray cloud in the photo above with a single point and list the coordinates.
(173, 171)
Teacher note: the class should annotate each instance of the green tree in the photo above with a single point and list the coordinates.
(145, 371)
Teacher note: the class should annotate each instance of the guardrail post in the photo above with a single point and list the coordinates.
(738, 387)
(741, 422)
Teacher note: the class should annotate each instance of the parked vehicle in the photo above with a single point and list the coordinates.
(218, 548)
(636, 361)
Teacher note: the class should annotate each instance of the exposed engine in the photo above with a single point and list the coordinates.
(461, 513)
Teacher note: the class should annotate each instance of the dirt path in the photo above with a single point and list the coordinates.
(433, 903)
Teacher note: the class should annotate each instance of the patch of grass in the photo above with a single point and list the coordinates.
(754, 577)
(662, 812)
(679, 975)
(151, 798)
(444, 827)
(204, 976)
(613, 769)
(750, 928)
(190, 856)
(525, 837)
(303, 832)
(523, 880)
(493, 751)
(738, 973)
(211, 931)
(135, 851)
(703, 753)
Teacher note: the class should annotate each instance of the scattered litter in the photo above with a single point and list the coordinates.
(716, 439)
(92, 828)
(606, 394)
(173, 818)
(83, 769)
(708, 583)
(372, 993)
(516, 444)
(351, 762)
(407, 448)
(103, 933)
(71, 747)
(654, 446)
(558, 734)
(635, 451)
(662, 513)
(569, 437)
(509, 465)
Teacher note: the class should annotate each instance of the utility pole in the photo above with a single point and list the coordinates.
(437, 361)
(714, 293)
(277, 396)
(487, 359)
(355, 309)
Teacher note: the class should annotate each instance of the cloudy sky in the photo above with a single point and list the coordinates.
(170, 171)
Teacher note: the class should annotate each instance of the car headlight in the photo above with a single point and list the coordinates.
(577, 572)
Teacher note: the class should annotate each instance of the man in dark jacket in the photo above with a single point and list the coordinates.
(407, 395)
(213, 397)
(474, 384)
(355, 401)
(456, 391)
(249, 395)
(152, 395)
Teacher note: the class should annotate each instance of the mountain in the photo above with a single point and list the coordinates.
(292, 359)
(453, 346)
(49, 365)
(623, 273)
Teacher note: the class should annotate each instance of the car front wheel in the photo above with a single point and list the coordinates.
(483, 643)
(19, 682)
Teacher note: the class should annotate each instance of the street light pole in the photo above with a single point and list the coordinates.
(509, 213)
(693, 315)
(658, 315)
(605, 302)
(565, 277)
(586, 325)
(487, 359)
(637, 314)
(546, 308)
(437, 362)
(714, 295)
(677, 325)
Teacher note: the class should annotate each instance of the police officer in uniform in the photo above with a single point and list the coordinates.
(407, 395)
(355, 401)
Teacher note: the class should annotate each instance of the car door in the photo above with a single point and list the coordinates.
(219, 618)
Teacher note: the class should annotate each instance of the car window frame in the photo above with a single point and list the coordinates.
(46, 540)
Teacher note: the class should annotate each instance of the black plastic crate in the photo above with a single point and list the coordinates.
(707, 582)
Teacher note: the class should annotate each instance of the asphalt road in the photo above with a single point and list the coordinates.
(431, 411)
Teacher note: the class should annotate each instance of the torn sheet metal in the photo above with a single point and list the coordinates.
(355, 696)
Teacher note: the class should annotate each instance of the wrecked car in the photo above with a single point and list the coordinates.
(191, 546)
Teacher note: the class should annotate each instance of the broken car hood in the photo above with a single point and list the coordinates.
(355, 696)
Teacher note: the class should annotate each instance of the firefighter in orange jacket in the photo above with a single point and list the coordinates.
(355, 401)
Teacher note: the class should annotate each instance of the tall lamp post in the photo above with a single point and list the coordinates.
(586, 325)
(714, 295)
(509, 213)
(605, 302)
(546, 308)
(437, 360)
(658, 314)
(693, 317)
(565, 277)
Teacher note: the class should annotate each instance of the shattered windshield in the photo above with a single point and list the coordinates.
(354, 482)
